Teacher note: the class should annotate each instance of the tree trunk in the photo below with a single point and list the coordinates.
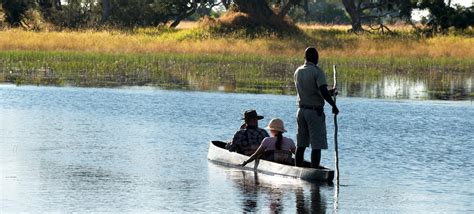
(57, 4)
(353, 12)
(306, 10)
(181, 17)
(105, 11)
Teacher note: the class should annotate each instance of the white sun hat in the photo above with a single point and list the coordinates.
(276, 124)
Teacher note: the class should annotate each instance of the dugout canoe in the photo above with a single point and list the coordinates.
(219, 155)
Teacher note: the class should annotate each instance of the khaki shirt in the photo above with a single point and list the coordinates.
(308, 78)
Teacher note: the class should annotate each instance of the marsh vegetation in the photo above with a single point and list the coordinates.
(196, 58)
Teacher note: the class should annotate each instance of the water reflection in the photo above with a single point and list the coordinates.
(431, 85)
(404, 84)
(273, 194)
(108, 150)
(436, 87)
(313, 204)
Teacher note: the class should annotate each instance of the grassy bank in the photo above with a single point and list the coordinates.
(331, 41)
(242, 73)
(194, 58)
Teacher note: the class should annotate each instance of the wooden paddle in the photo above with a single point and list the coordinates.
(335, 129)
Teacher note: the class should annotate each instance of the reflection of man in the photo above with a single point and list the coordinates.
(315, 204)
(311, 87)
(248, 138)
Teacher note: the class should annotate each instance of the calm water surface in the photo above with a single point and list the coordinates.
(145, 149)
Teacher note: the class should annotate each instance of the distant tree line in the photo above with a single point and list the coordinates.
(130, 13)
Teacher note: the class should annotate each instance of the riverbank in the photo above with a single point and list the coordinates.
(193, 58)
(331, 42)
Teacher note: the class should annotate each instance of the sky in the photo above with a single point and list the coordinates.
(416, 15)
(466, 3)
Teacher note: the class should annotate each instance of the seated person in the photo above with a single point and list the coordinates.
(276, 148)
(248, 138)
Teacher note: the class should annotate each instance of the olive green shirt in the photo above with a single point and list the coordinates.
(308, 78)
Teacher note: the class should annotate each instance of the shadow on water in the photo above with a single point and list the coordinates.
(274, 194)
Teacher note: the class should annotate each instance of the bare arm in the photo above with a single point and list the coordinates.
(325, 93)
(255, 155)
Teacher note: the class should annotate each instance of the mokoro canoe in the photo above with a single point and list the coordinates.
(218, 154)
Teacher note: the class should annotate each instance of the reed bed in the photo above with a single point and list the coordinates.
(195, 58)
(241, 73)
(331, 41)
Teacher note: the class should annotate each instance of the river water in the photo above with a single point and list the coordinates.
(145, 149)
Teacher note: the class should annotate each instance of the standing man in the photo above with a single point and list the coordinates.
(311, 87)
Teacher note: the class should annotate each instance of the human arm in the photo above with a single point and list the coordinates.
(255, 155)
(293, 147)
(234, 145)
(293, 150)
(327, 96)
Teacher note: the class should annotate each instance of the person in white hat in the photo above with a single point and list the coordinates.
(276, 148)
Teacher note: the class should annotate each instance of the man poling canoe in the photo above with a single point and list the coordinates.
(312, 91)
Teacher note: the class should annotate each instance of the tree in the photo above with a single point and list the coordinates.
(443, 16)
(48, 4)
(105, 11)
(322, 11)
(15, 9)
(376, 11)
(180, 10)
(354, 12)
(261, 8)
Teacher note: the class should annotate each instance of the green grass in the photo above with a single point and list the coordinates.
(243, 73)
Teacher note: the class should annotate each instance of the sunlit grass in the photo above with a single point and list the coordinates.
(196, 58)
(331, 41)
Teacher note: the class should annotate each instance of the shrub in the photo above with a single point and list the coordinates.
(243, 25)
(32, 20)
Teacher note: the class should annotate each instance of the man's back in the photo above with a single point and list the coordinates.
(308, 78)
(247, 141)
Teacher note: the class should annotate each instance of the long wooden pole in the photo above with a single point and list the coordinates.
(336, 156)
(335, 130)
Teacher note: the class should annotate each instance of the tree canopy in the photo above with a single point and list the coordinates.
(373, 14)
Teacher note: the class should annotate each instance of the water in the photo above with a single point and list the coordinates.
(145, 149)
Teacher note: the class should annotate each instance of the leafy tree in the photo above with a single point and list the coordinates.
(75, 14)
(443, 16)
(15, 9)
(151, 12)
(323, 11)
(179, 10)
(262, 8)
(376, 12)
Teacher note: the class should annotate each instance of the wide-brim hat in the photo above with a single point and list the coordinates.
(276, 124)
(251, 114)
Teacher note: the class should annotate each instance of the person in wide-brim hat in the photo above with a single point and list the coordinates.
(251, 114)
(276, 125)
(248, 138)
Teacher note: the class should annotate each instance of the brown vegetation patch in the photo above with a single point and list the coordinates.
(243, 23)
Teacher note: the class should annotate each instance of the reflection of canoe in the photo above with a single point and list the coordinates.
(218, 154)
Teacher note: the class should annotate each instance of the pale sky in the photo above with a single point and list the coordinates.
(466, 3)
(416, 15)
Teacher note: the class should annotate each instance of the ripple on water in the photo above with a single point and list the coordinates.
(112, 150)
